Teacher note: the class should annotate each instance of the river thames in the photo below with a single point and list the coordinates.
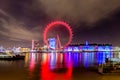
(57, 66)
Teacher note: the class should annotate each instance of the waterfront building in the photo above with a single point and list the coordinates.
(24, 49)
(2, 49)
(52, 43)
(89, 47)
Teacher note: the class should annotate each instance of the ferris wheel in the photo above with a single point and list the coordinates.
(64, 25)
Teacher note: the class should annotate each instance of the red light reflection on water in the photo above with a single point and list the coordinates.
(48, 74)
(32, 64)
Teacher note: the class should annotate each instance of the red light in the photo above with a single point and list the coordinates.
(53, 25)
(47, 74)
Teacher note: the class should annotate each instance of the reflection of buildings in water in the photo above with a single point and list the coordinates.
(102, 55)
(56, 60)
(80, 58)
(75, 60)
(45, 57)
(53, 62)
(85, 61)
(59, 60)
(32, 58)
(68, 57)
(91, 58)
(26, 59)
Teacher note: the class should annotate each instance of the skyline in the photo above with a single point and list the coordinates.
(93, 21)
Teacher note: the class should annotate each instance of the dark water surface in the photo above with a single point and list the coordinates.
(57, 66)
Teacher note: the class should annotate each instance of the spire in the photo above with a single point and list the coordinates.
(86, 43)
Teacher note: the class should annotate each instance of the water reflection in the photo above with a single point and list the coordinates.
(32, 62)
(55, 66)
(61, 65)
(100, 56)
(52, 60)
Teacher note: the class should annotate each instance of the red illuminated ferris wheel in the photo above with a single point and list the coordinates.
(53, 24)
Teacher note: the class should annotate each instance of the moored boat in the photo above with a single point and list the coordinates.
(5, 56)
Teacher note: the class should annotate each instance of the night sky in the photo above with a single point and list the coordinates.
(96, 21)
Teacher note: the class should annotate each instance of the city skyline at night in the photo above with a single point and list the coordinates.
(59, 39)
(94, 21)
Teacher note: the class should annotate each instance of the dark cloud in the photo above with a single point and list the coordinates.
(23, 20)
(15, 29)
(75, 11)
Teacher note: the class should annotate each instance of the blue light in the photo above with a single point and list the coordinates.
(100, 60)
(75, 60)
(104, 48)
(68, 58)
(52, 60)
(86, 43)
(76, 49)
(85, 61)
(52, 43)
(69, 49)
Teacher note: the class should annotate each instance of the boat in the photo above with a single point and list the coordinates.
(6, 56)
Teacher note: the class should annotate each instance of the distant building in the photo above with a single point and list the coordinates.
(52, 43)
(2, 49)
(35, 45)
(89, 47)
(24, 49)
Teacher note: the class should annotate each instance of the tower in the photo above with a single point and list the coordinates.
(52, 43)
(33, 41)
(35, 45)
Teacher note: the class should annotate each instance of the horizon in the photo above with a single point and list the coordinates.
(92, 21)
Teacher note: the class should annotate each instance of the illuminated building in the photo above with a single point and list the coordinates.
(52, 43)
(24, 49)
(104, 47)
(36, 45)
(16, 49)
(20, 49)
(2, 49)
(33, 41)
(89, 47)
